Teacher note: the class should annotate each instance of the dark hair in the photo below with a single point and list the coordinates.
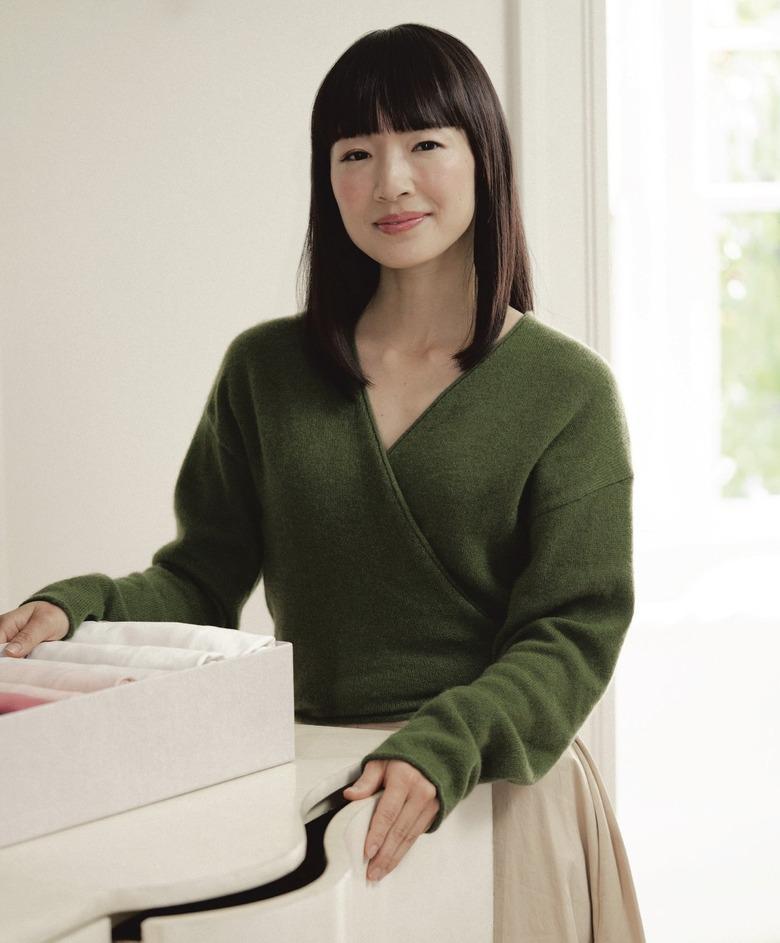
(440, 83)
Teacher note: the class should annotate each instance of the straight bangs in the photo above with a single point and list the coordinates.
(391, 83)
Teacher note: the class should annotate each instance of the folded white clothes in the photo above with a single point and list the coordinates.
(32, 690)
(230, 642)
(69, 676)
(163, 658)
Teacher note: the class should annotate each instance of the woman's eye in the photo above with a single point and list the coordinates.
(429, 142)
(352, 153)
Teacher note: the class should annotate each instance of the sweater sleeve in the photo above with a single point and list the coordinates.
(569, 609)
(206, 573)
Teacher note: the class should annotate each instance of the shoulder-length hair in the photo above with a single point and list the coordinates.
(408, 78)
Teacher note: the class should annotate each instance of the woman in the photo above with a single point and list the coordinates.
(435, 486)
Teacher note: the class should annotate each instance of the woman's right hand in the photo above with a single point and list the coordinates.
(33, 622)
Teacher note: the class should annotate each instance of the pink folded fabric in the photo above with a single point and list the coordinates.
(66, 676)
(16, 702)
(174, 634)
(138, 656)
(32, 690)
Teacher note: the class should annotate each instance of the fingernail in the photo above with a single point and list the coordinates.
(372, 850)
(376, 875)
(13, 647)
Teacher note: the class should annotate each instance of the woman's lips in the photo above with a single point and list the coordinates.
(392, 228)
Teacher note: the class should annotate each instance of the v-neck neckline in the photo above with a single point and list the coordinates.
(439, 397)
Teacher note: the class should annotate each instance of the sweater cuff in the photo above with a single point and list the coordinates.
(80, 598)
(428, 764)
(57, 602)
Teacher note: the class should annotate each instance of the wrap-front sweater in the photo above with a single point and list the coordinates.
(475, 578)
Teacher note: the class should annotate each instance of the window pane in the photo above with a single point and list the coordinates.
(744, 115)
(749, 246)
(725, 13)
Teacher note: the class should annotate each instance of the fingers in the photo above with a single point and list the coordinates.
(29, 625)
(408, 824)
(11, 624)
(405, 810)
(369, 781)
(419, 826)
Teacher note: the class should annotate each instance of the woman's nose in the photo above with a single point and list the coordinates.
(392, 179)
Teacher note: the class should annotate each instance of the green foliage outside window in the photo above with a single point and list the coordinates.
(750, 351)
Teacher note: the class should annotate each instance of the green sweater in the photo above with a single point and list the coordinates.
(476, 578)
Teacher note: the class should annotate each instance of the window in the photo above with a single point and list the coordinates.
(694, 139)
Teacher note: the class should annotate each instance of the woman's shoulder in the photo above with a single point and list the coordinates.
(580, 412)
(565, 360)
(259, 349)
(262, 357)
(266, 338)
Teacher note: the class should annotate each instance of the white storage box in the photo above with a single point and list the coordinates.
(96, 754)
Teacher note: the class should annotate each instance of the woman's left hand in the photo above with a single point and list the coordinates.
(406, 809)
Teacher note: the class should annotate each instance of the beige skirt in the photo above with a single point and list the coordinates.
(560, 868)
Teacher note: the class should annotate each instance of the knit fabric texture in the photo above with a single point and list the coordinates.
(475, 578)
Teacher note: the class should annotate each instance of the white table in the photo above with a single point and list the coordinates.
(247, 832)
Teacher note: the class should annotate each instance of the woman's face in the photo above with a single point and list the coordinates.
(398, 172)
